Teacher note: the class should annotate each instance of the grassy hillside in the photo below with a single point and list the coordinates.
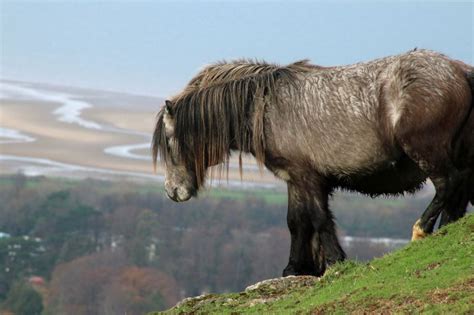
(434, 275)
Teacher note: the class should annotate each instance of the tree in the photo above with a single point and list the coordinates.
(68, 227)
(76, 287)
(23, 300)
(20, 257)
(104, 283)
(138, 290)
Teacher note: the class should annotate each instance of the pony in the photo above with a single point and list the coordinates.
(379, 128)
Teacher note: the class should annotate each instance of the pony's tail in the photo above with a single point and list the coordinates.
(470, 79)
(468, 132)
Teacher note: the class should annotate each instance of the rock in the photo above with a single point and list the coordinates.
(263, 292)
(194, 300)
(283, 284)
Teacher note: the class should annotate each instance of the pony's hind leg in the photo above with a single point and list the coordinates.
(457, 166)
(451, 199)
(427, 115)
(465, 194)
(451, 184)
(427, 108)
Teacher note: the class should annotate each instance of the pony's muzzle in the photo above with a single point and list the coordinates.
(172, 194)
(178, 194)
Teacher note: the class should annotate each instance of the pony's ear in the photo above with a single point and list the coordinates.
(168, 119)
(168, 107)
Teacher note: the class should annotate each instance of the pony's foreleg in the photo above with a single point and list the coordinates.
(314, 243)
(301, 261)
(332, 249)
(472, 193)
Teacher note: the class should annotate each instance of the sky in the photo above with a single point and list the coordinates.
(155, 47)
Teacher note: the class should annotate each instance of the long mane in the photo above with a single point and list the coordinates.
(222, 108)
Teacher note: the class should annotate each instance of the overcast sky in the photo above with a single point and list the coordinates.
(155, 47)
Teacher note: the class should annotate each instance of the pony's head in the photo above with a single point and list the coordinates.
(180, 177)
(220, 110)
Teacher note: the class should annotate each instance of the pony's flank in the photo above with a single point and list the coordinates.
(222, 109)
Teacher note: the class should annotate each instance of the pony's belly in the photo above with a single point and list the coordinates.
(403, 176)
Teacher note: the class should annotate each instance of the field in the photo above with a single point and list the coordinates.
(435, 275)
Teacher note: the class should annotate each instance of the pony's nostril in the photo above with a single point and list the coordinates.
(172, 194)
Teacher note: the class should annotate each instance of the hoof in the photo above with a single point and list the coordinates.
(308, 271)
(418, 233)
(289, 271)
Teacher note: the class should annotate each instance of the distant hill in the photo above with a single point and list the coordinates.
(434, 275)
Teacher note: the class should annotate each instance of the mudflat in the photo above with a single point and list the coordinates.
(71, 143)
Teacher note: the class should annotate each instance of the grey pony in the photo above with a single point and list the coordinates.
(379, 127)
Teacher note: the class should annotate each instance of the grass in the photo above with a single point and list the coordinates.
(434, 276)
